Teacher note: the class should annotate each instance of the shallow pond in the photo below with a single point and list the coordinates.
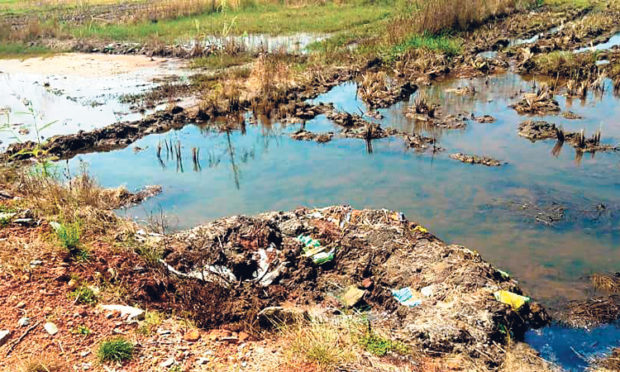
(75, 91)
(261, 169)
(574, 349)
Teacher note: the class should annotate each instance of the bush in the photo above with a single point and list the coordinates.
(116, 350)
(68, 234)
(84, 295)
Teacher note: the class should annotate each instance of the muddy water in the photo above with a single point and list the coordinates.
(614, 41)
(295, 43)
(261, 169)
(73, 91)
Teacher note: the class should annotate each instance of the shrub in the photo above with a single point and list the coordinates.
(68, 234)
(84, 295)
(115, 350)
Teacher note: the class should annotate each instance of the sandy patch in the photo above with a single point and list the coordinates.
(81, 64)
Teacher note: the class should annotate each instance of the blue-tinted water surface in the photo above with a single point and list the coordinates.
(263, 169)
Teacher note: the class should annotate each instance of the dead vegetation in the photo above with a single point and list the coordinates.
(475, 159)
(538, 103)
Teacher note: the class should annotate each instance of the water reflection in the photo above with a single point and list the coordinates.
(266, 170)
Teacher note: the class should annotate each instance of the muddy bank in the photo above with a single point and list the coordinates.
(245, 264)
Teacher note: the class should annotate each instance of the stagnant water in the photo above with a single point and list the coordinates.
(261, 169)
(74, 91)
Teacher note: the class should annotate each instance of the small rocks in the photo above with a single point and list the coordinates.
(50, 328)
(352, 296)
(131, 313)
(192, 335)
(167, 363)
(4, 336)
(474, 159)
(23, 322)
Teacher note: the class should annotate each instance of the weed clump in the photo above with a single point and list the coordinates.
(381, 346)
(68, 234)
(115, 350)
(84, 295)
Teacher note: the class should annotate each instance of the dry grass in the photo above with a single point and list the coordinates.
(609, 283)
(45, 363)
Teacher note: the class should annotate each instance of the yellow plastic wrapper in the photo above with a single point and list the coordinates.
(420, 229)
(514, 300)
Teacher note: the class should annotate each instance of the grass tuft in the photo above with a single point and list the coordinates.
(84, 295)
(115, 350)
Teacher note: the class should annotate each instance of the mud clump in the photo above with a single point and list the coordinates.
(261, 262)
(475, 159)
(538, 103)
(377, 92)
(304, 135)
(542, 130)
(538, 130)
(485, 119)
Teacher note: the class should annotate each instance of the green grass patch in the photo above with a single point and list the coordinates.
(84, 295)
(446, 44)
(381, 346)
(115, 350)
(269, 19)
(12, 50)
(68, 234)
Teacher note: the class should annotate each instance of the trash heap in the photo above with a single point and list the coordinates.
(439, 297)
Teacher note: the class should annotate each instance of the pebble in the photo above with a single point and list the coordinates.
(192, 336)
(167, 363)
(132, 313)
(84, 354)
(86, 366)
(51, 328)
(4, 335)
(20, 304)
(203, 360)
(23, 322)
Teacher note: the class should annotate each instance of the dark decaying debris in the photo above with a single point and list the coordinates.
(229, 270)
(475, 159)
(538, 103)
(430, 113)
(377, 92)
(592, 312)
(610, 363)
(485, 119)
(542, 130)
(304, 135)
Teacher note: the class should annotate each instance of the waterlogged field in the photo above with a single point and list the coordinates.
(545, 211)
(483, 208)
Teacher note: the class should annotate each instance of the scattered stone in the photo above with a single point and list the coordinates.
(23, 322)
(132, 313)
(51, 328)
(20, 305)
(202, 361)
(167, 363)
(243, 336)
(352, 296)
(367, 283)
(84, 354)
(192, 336)
(35, 263)
(475, 159)
(4, 336)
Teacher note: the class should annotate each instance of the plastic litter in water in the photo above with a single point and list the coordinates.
(514, 300)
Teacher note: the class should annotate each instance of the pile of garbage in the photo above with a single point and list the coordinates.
(439, 297)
